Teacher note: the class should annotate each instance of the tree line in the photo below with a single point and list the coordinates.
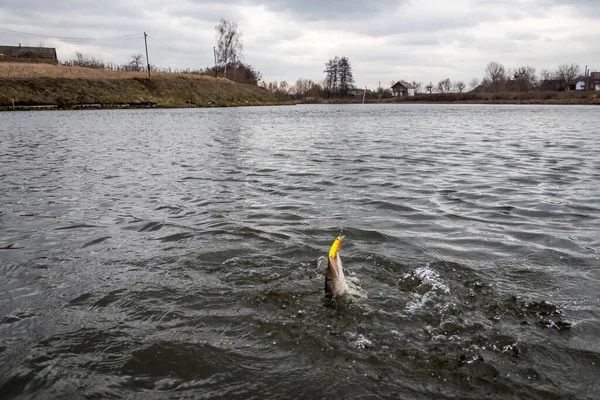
(498, 78)
(338, 83)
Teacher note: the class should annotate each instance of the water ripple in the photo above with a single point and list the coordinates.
(172, 253)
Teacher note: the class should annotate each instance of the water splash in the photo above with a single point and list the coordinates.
(428, 277)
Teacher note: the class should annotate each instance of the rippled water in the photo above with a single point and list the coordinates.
(172, 253)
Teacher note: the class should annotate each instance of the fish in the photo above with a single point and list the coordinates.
(336, 285)
(335, 281)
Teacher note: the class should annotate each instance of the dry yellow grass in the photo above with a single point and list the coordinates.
(42, 84)
(23, 70)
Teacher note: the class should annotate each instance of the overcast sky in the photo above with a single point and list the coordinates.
(385, 40)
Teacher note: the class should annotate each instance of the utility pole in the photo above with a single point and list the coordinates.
(215, 54)
(147, 60)
(234, 69)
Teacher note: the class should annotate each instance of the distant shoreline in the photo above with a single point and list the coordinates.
(523, 98)
(54, 107)
(26, 87)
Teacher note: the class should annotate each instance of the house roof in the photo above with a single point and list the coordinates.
(28, 52)
(480, 88)
(404, 84)
(595, 75)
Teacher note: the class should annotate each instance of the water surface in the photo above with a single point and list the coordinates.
(172, 253)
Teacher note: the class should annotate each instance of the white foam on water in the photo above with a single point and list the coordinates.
(431, 299)
(352, 277)
(418, 303)
(430, 277)
(363, 342)
(231, 260)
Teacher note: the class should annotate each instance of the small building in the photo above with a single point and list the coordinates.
(46, 55)
(580, 85)
(553, 85)
(403, 89)
(481, 88)
(595, 80)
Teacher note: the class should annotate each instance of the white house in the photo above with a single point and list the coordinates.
(580, 85)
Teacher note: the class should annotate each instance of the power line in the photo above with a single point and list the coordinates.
(165, 46)
(175, 49)
(11, 32)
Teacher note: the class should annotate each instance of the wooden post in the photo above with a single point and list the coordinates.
(234, 69)
(147, 60)
(587, 79)
(215, 54)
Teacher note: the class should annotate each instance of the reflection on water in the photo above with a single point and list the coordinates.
(172, 253)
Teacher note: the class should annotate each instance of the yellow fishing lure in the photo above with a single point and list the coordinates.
(335, 247)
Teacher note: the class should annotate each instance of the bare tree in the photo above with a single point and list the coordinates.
(313, 89)
(300, 88)
(460, 86)
(568, 72)
(273, 86)
(306, 88)
(525, 78)
(448, 85)
(444, 86)
(136, 61)
(417, 85)
(495, 73)
(474, 83)
(284, 87)
(429, 88)
(546, 75)
(229, 43)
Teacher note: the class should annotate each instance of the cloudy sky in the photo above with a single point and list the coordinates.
(385, 40)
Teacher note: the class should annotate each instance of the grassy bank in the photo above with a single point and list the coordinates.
(27, 85)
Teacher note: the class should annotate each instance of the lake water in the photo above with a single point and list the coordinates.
(172, 253)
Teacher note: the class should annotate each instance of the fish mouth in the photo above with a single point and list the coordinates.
(335, 284)
(333, 267)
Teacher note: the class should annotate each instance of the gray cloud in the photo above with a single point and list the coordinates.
(390, 39)
(331, 10)
(523, 36)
